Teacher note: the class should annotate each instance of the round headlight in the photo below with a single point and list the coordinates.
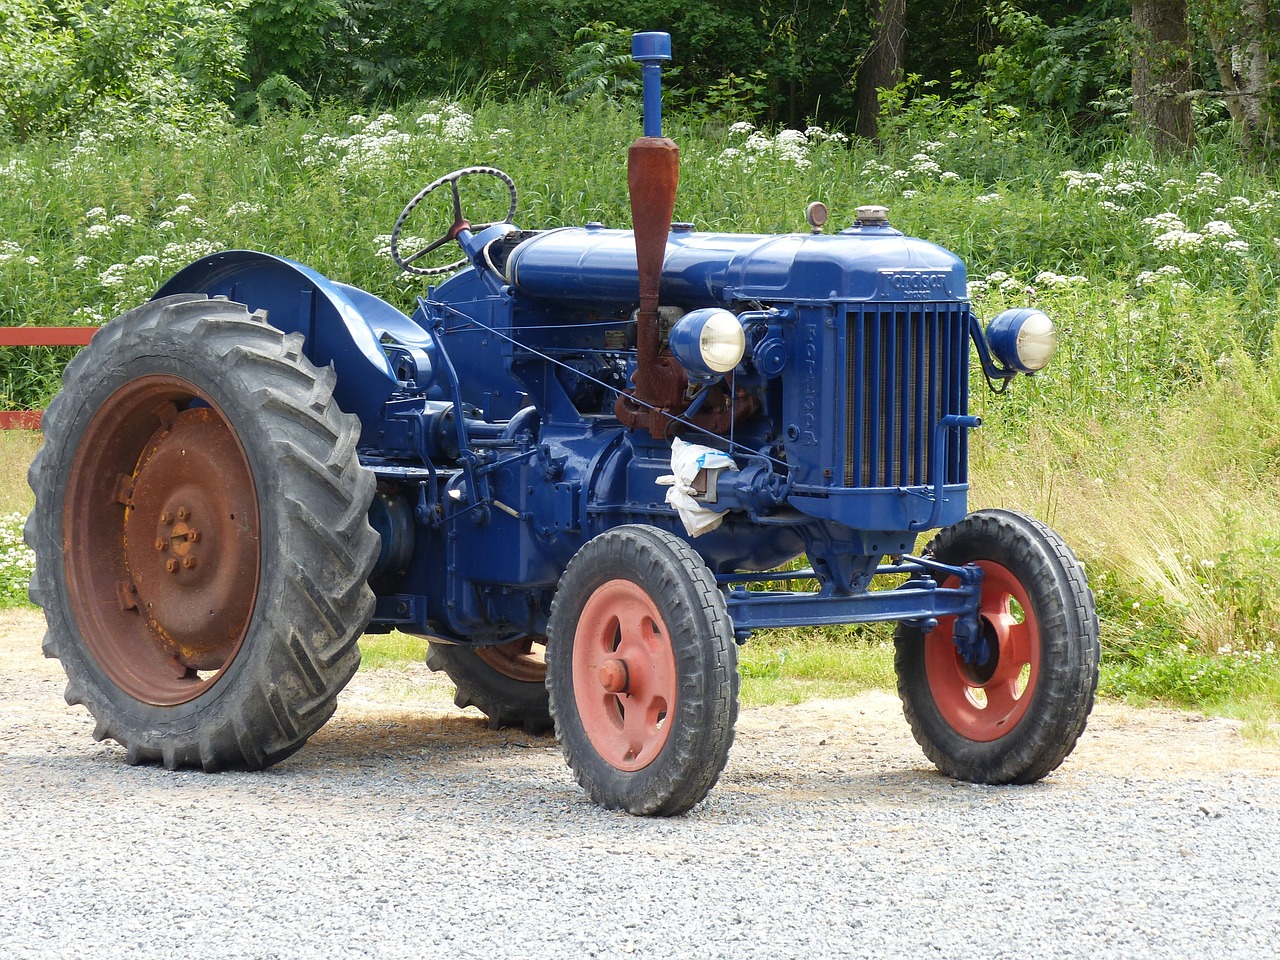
(708, 343)
(1022, 339)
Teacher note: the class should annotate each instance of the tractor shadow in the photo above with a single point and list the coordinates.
(776, 760)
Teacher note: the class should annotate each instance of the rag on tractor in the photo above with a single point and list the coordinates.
(582, 468)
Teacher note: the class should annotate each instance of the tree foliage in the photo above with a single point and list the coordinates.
(66, 64)
(1064, 64)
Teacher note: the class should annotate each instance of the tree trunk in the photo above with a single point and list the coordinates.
(1244, 49)
(1162, 73)
(883, 66)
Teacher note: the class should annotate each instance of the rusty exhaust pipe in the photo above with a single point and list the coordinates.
(653, 171)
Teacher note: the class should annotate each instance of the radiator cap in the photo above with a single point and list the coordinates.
(871, 215)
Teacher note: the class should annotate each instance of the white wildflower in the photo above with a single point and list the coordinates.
(88, 315)
(113, 276)
(1075, 180)
(1051, 279)
(1163, 222)
(923, 163)
(1178, 240)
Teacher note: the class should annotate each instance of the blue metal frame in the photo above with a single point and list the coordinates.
(921, 601)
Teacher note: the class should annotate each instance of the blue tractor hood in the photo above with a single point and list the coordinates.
(862, 263)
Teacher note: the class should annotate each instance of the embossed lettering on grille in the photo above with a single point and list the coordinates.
(907, 368)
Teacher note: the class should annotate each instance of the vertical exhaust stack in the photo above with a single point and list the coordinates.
(653, 170)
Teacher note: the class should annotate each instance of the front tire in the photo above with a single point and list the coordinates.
(642, 672)
(201, 536)
(1016, 716)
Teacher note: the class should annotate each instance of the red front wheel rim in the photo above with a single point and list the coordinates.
(624, 675)
(986, 702)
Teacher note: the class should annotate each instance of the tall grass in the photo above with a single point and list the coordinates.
(1152, 441)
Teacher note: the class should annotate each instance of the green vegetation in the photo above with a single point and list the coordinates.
(1151, 442)
(391, 650)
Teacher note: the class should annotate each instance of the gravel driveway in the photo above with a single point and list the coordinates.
(407, 829)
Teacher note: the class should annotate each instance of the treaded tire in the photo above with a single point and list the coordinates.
(641, 585)
(1007, 738)
(507, 700)
(255, 696)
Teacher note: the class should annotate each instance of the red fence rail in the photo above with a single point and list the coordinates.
(38, 337)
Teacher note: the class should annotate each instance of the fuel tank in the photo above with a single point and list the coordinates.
(861, 263)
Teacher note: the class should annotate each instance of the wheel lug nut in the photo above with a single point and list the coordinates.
(162, 545)
(166, 517)
(188, 562)
(183, 513)
(193, 536)
(172, 566)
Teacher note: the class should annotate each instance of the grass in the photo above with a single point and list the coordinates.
(1151, 442)
(792, 666)
(17, 449)
(393, 649)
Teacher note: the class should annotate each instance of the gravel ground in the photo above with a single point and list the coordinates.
(407, 829)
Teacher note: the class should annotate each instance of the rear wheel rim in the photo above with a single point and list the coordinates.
(524, 660)
(624, 675)
(161, 550)
(986, 702)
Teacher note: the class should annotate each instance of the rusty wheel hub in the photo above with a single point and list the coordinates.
(161, 518)
(185, 542)
(524, 659)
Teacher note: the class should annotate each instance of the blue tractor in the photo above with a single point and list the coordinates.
(582, 468)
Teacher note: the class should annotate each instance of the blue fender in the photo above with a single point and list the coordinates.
(343, 326)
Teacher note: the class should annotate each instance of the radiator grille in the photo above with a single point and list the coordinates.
(907, 368)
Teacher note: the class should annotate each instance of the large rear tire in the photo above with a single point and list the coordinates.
(1016, 716)
(642, 670)
(201, 536)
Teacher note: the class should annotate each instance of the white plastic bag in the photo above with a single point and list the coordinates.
(687, 459)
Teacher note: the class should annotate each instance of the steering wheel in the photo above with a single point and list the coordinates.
(460, 222)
